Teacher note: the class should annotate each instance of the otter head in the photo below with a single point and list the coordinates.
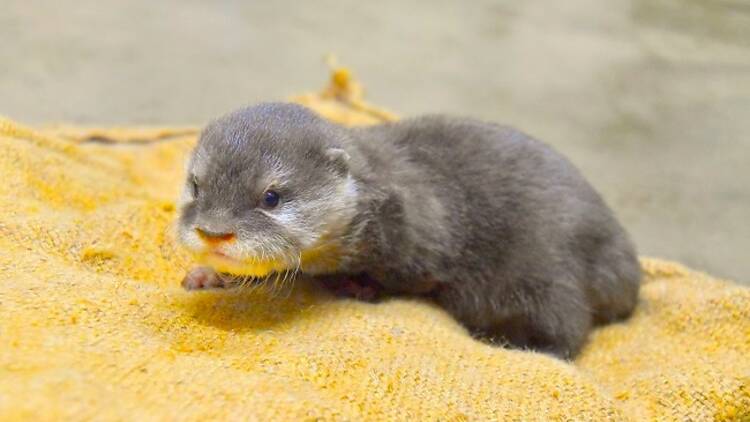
(268, 190)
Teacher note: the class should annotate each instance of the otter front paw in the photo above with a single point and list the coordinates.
(203, 278)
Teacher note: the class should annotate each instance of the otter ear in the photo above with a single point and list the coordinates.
(338, 158)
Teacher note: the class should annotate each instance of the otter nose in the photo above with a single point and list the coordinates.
(210, 236)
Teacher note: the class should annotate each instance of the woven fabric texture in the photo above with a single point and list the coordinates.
(94, 324)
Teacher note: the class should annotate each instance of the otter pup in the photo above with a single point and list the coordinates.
(502, 231)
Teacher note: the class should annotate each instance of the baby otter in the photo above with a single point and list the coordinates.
(502, 231)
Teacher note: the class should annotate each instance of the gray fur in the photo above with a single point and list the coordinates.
(519, 245)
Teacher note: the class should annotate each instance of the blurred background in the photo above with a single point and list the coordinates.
(650, 98)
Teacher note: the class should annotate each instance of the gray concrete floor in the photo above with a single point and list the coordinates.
(651, 98)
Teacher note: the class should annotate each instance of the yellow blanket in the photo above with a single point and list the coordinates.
(94, 324)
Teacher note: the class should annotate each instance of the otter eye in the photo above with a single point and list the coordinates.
(270, 199)
(194, 186)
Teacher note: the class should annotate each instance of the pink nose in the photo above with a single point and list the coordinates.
(214, 237)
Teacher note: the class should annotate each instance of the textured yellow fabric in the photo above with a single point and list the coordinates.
(94, 324)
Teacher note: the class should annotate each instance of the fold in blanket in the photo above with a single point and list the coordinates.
(94, 324)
